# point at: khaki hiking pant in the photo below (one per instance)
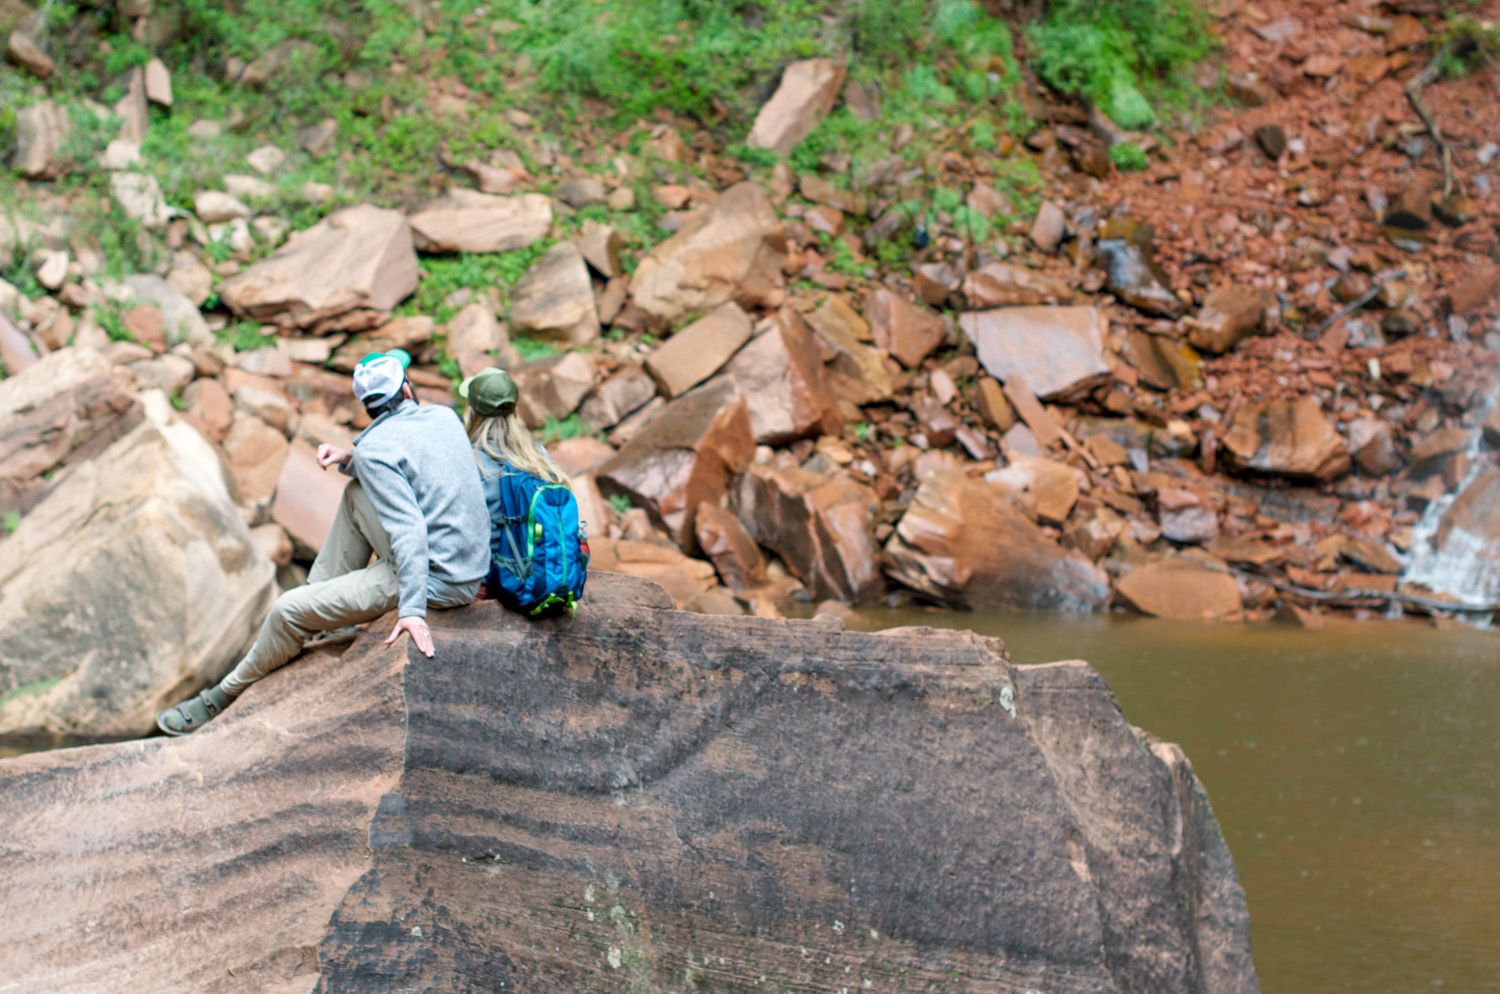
(343, 588)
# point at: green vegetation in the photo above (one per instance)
(1128, 157)
(620, 503)
(1117, 53)
(557, 429)
(10, 522)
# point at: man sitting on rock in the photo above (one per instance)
(416, 503)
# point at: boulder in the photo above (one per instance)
(686, 455)
(1131, 275)
(552, 388)
(183, 322)
(208, 407)
(683, 578)
(555, 299)
(724, 540)
(1373, 446)
(858, 373)
(132, 109)
(255, 452)
(307, 498)
(213, 206)
(140, 198)
(1162, 362)
(807, 93)
(1046, 488)
(934, 552)
(158, 83)
(475, 338)
(1288, 438)
(580, 192)
(347, 272)
(698, 351)
(780, 374)
(601, 246)
(131, 579)
(1057, 349)
(908, 332)
(642, 798)
(1002, 285)
(41, 131)
(21, 50)
(1229, 315)
(1181, 590)
(623, 393)
(731, 250)
(580, 454)
(470, 221)
(821, 525)
(1050, 227)
(17, 351)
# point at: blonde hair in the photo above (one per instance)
(505, 438)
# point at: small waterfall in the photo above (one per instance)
(1466, 566)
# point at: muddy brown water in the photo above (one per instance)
(1355, 771)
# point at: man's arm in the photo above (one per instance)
(396, 505)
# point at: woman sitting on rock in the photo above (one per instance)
(538, 548)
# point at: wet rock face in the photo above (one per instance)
(961, 543)
(647, 798)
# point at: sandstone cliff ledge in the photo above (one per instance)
(648, 800)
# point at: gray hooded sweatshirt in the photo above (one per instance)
(418, 469)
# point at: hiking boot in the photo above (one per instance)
(193, 713)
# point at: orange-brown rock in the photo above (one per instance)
(208, 408)
(1002, 285)
(552, 388)
(307, 497)
(1057, 349)
(935, 551)
(804, 97)
(1288, 438)
(476, 339)
(363, 817)
(990, 400)
(1229, 315)
(622, 393)
(1046, 488)
(685, 456)
(698, 351)
(1474, 290)
(908, 332)
(781, 376)
(729, 546)
(1437, 444)
(469, 221)
(580, 454)
(348, 271)
(255, 452)
(821, 525)
(858, 373)
(730, 250)
(1181, 590)
(1373, 446)
(682, 577)
(1093, 533)
(555, 298)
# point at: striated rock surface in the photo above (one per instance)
(731, 250)
(644, 799)
(1287, 438)
(346, 272)
(131, 578)
(469, 221)
(1056, 349)
(961, 543)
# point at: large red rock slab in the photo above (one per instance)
(555, 298)
(552, 388)
(347, 272)
(640, 797)
(908, 332)
(621, 394)
(724, 540)
(1181, 590)
(307, 498)
(1057, 349)
(857, 372)
(731, 250)
(781, 376)
(1289, 438)
(962, 543)
(822, 526)
(806, 94)
(1229, 315)
(686, 455)
(699, 350)
(470, 221)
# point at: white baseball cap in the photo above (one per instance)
(378, 377)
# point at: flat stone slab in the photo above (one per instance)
(1056, 349)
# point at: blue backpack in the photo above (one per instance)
(539, 550)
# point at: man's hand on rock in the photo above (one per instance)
(421, 635)
(330, 455)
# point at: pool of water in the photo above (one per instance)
(1355, 771)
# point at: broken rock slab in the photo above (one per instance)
(1016, 566)
(731, 250)
(807, 93)
(908, 332)
(132, 581)
(347, 272)
(1056, 349)
(1181, 590)
(780, 374)
(469, 221)
(1229, 315)
(696, 352)
(1289, 438)
(552, 388)
(555, 299)
(822, 526)
(719, 733)
(686, 455)
(623, 393)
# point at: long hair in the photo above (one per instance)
(505, 438)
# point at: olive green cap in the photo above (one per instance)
(490, 391)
